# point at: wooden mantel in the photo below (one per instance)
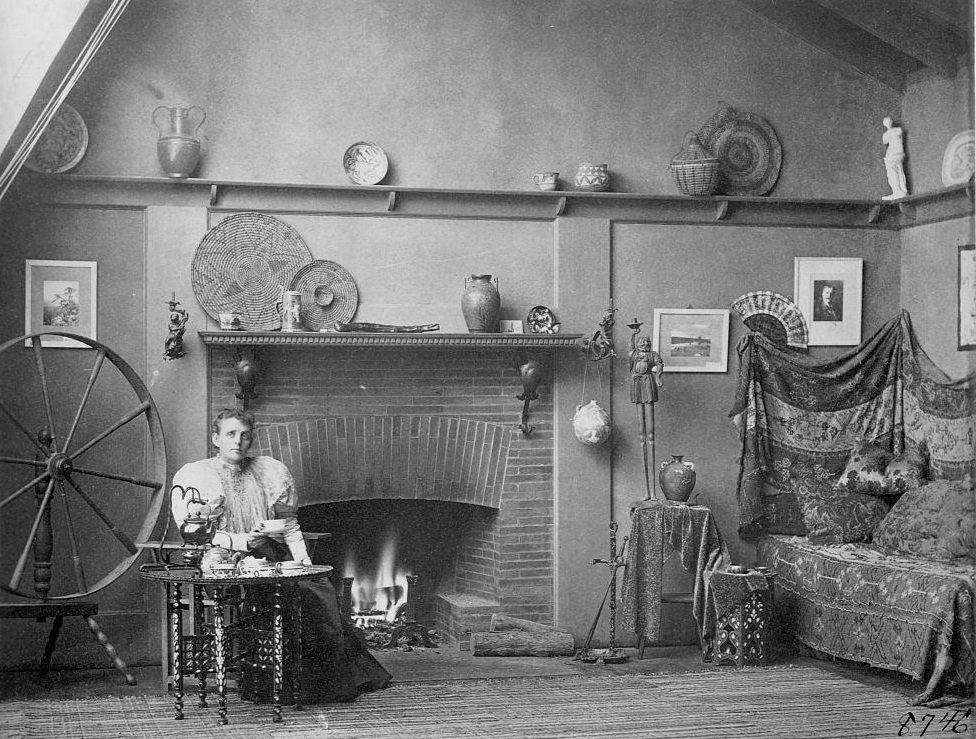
(417, 202)
(429, 340)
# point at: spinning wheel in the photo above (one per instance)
(89, 445)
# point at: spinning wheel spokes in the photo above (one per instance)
(100, 357)
(112, 429)
(125, 462)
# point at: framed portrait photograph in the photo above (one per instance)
(60, 296)
(692, 339)
(828, 294)
(967, 297)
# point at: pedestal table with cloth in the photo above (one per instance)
(689, 531)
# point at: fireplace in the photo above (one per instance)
(415, 452)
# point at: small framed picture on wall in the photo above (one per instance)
(692, 339)
(967, 297)
(60, 296)
(828, 294)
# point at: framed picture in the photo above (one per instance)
(967, 297)
(60, 296)
(692, 339)
(828, 294)
(510, 327)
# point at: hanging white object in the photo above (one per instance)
(591, 423)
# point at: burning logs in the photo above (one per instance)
(516, 637)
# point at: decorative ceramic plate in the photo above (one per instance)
(62, 145)
(243, 264)
(542, 321)
(748, 151)
(776, 317)
(365, 163)
(958, 162)
(329, 294)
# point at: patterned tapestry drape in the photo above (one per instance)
(799, 419)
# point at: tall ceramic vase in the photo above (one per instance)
(178, 148)
(677, 478)
(480, 304)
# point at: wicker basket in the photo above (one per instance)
(695, 171)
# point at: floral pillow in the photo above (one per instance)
(865, 470)
(836, 515)
(905, 472)
(935, 521)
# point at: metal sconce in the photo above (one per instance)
(246, 371)
(531, 370)
(178, 317)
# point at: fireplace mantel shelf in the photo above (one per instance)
(429, 340)
(421, 202)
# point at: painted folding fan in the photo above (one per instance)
(774, 316)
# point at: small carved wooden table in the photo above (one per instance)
(206, 647)
(743, 630)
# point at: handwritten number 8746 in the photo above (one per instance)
(952, 723)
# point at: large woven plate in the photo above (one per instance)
(62, 145)
(243, 264)
(748, 151)
(329, 294)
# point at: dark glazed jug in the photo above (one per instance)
(677, 478)
(480, 304)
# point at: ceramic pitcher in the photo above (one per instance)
(178, 148)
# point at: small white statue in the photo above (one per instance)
(893, 139)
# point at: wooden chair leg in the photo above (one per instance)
(103, 640)
(52, 639)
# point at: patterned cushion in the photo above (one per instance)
(935, 521)
(865, 470)
(835, 515)
(904, 472)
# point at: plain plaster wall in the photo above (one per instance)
(464, 93)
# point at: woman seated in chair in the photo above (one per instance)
(242, 492)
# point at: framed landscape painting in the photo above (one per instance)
(692, 339)
(828, 293)
(967, 297)
(60, 296)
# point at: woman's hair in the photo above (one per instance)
(243, 416)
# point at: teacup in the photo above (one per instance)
(230, 321)
(276, 526)
(546, 180)
(289, 567)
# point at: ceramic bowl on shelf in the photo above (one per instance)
(546, 180)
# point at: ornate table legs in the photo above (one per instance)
(219, 654)
(278, 658)
(175, 606)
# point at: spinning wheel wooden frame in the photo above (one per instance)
(56, 474)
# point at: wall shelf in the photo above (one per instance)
(430, 340)
(414, 202)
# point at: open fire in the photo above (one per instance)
(379, 603)
(380, 596)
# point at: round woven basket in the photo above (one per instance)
(694, 169)
(329, 294)
(696, 178)
(242, 265)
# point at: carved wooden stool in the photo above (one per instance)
(743, 634)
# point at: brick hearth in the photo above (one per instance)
(367, 424)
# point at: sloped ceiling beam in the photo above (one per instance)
(848, 43)
(92, 27)
(907, 27)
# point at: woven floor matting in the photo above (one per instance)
(753, 703)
